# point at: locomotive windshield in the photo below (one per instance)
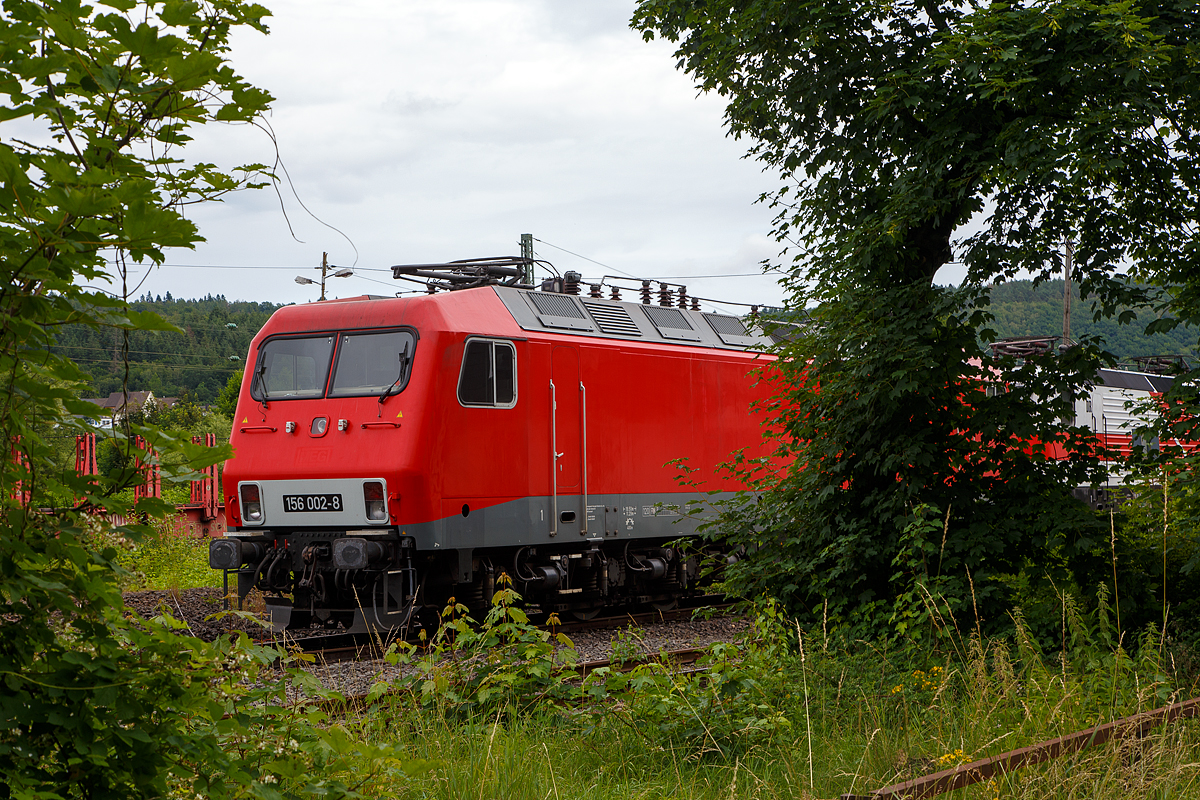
(292, 368)
(375, 363)
(371, 363)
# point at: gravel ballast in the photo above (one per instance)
(197, 606)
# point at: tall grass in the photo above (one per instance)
(759, 721)
(173, 562)
(163, 560)
(877, 713)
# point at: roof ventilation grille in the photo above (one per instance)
(728, 325)
(671, 323)
(556, 305)
(731, 330)
(668, 318)
(613, 319)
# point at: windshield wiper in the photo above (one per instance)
(259, 379)
(403, 355)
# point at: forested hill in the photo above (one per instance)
(216, 336)
(196, 363)
(1022, 310)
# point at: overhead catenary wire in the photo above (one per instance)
(659, 278)
(585, 258)
(383, 269)
(704, 277)
(672, 278)
(258, 266)
(172, 365)
(117, 349)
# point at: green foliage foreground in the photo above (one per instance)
(498, 710)
(93, 704)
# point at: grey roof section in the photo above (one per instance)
(732, 330)
(615, 319)
(1141, 381)
(671, 323)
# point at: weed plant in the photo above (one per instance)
(505, 666)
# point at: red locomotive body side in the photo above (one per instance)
(648, 403)
(574, 470)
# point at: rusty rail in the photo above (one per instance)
(678, 658)
(966, 774)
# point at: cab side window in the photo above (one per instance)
(489, 374)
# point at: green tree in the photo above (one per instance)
(104, 96)
(895, 125)
(227, 399)
(213, 337)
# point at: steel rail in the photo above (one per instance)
(967, 774)
(642, 617)
(676, 658)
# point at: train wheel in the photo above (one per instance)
(584, 614)
(665, 605)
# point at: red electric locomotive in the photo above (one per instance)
(391, 453)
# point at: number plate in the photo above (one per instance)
(312, 502)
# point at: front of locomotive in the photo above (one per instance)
(322, 468)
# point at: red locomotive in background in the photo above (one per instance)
(391, 453)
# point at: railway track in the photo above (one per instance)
(361, 646)
(680, 660)
(332, 654)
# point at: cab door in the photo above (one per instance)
(566, 394)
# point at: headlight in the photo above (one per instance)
(251, 503)
(376, 504)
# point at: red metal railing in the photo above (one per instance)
(203, 515)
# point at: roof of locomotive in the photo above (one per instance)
(475, 310)
(1126, 379)
(553, 312)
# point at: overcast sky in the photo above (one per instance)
(437, 131)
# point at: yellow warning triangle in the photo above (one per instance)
(246, 419)
(401, 414)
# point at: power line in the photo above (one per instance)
(672, 278)
(698, 277)
(248, 266)
(171, 365)
(585, 258)
(542, 241)
(116, 350)
(372, 280)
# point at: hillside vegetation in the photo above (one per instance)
(217, 332)
(195, 364)
(1021, 309)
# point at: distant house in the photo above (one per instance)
(118, 404)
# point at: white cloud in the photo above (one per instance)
(441, 131)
